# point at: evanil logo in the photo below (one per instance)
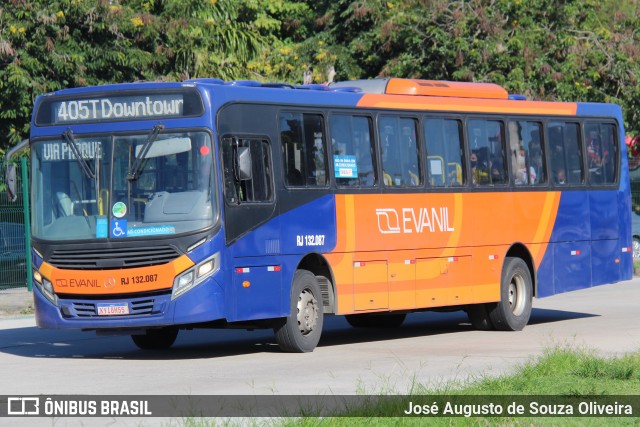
(413, 220)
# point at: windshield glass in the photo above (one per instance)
(124, 186)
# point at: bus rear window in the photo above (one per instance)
(600, 142)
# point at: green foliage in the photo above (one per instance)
(568, 51)
(574, 50)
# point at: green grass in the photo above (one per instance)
(28, 310)
(564, 371)
(560, 371)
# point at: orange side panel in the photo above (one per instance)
(93, 282)
(432, 250)
(467, 105)
(402, 281)
(443, 281)
(370, 289)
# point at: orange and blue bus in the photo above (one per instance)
(160, 207)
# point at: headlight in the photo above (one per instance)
(44, 285)
(195, 275)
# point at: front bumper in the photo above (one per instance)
(203, 303)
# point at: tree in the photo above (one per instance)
(50, 45)
(571, 50)
(46, 46)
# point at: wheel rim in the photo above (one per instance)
(517, 291)
(307, 312)
(636, 249)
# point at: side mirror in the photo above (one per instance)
(12, 185)
(243, 159)
(10, 172)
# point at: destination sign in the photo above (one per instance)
(119, 107)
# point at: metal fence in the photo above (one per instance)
(14, 245)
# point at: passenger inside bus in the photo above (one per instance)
(479, 166)
(497, 168)
(560, 177)
(413, 174)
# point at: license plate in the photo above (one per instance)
(113, 309)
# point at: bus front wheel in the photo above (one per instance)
(514, 309)
(300, 331)
(156, 339)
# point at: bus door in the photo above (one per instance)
(602, 161)
(571, 237)
(252, 228)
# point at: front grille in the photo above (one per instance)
(146, 305)
(109, 259)
(142, 307)
(84, 309)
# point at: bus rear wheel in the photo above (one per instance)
(513, 311)
(300, 331)
(370, 320)
(156, 339)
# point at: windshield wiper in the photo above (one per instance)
(137, 163)
(68, 136)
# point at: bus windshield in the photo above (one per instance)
(115, 186)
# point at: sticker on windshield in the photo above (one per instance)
(118, 228)
(119, 210)
(153, 230)
(102, 229)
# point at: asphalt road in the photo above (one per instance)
(430, 349)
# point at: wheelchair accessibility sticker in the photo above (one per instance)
(118, 228)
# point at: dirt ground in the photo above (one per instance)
(16, 302)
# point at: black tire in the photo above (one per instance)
(514, 309)
(479, 316)
(636, 248)
(300, 331)
(370, 320)
(156, 339)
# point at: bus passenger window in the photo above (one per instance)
(527, 160)
(351, 142)
(486, 140)
(602, 149)
(303, 147)
(445, 162)
(565, 153)
(258, 188)
(399, 151)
